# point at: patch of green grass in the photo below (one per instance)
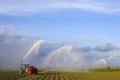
(105, 69)
(10, 75)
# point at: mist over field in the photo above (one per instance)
(54, 54)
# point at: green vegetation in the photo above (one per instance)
(10, 75)
(105, 69)
(94, 74)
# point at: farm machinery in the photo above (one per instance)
(26, 68)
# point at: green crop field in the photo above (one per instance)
(95, 74)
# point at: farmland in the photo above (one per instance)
(97, 74)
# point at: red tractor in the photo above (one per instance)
(25, 68)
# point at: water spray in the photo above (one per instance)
(33, 47)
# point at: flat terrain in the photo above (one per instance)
(97, 74)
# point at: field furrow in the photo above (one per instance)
(30, 77)
(52, 76)
(45, 75)
(64, 77)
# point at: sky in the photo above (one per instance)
(63, 19)
(91, 27)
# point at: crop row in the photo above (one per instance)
(10, 75)
(81, 76)
(62, 76)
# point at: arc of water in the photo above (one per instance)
(34, 46)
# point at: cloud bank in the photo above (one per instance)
(14, 47)
(21, 7)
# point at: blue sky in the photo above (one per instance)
(68, 20)
(67, 26)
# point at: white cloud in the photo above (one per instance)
(105, 47)
(15, 46)
(117, 45)
(21, 7)
(7, 29)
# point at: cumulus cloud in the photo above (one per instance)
(16, 7)
(14, 47)
(117, 46)
(7, 29)
(105, 47)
